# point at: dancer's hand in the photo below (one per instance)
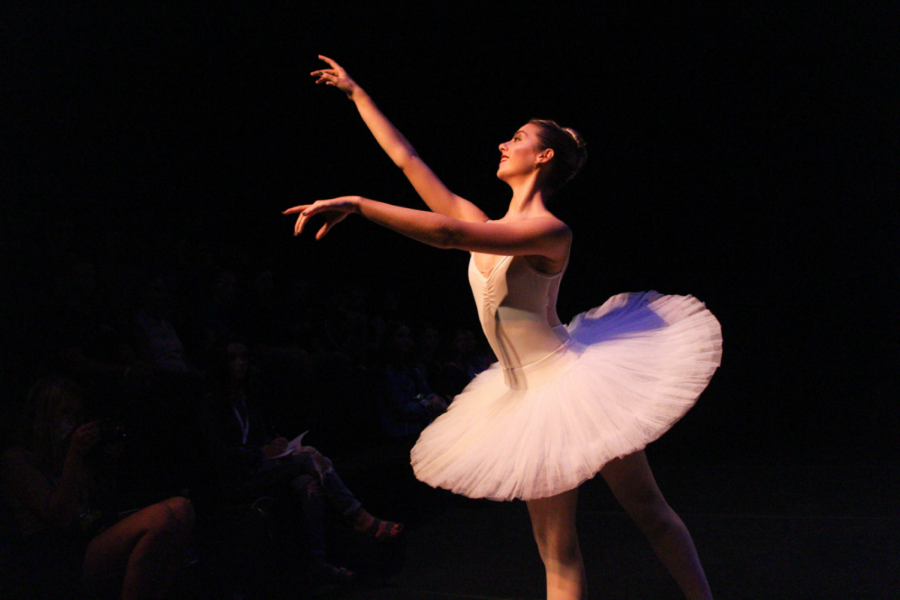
(334, 211)
(335, 76)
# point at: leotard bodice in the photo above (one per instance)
(517, 309)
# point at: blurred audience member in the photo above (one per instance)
(165, 425)
(428, 343)
(465, 363)
(387, 314)
(155, 337)
(90, 344)
(219, 319)
(269, 334)
(49, 486)
(347, 327)
(249, 461)
(92, 347)
(407, 403)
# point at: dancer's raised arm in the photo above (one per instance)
(431, 189)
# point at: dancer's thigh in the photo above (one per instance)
(554, 515)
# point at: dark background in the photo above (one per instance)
(740, 153)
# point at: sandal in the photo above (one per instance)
(383, 530)
(375, 528)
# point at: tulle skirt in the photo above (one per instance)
(632, 368)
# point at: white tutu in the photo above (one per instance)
(633, 367)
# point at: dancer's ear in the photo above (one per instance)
(545, 155)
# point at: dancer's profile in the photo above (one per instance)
(564, 402)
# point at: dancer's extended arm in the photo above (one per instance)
(431, 189)
(542, 236)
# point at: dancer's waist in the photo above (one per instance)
(544, 370)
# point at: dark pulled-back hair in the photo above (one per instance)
(569, 152)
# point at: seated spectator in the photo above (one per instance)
(388, 312)
(250, 461)
(219, 320)
(165, 422)
(48, 485)
(92, 348)
(346, 327)
(465, 363)
(156, 339)
(269, 334)
(303, 322)
(407, 403)
(428, 343)
(283, 365)
(96, 351)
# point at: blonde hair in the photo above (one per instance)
(36, 428)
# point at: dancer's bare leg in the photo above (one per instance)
(633, 485)
(553, 523)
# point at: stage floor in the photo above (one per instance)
(763, 532)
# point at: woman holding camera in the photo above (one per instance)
(49, 487)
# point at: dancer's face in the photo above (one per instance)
(522, 154)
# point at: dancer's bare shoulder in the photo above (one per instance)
(557, 239)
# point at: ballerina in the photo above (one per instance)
(563, 403)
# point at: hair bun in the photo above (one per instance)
(575, 135)
(569, 151)
(580, 144)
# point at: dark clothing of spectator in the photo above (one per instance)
(404, 403)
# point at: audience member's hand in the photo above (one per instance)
(274, 448)
(84, 438)
(436, 404)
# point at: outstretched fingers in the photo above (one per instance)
(327, 76)
(324, 76)
(335, 76)
(330, 61)
(301, 220)
(296, 209)
(298, 226)
(334, 211)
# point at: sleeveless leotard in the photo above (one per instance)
(564, 400)
(517, 309)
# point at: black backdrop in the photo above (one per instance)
(740, 153)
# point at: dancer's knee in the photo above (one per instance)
(655, 518)
(556, 546)
(554, 528)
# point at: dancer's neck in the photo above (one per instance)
(527, 201)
